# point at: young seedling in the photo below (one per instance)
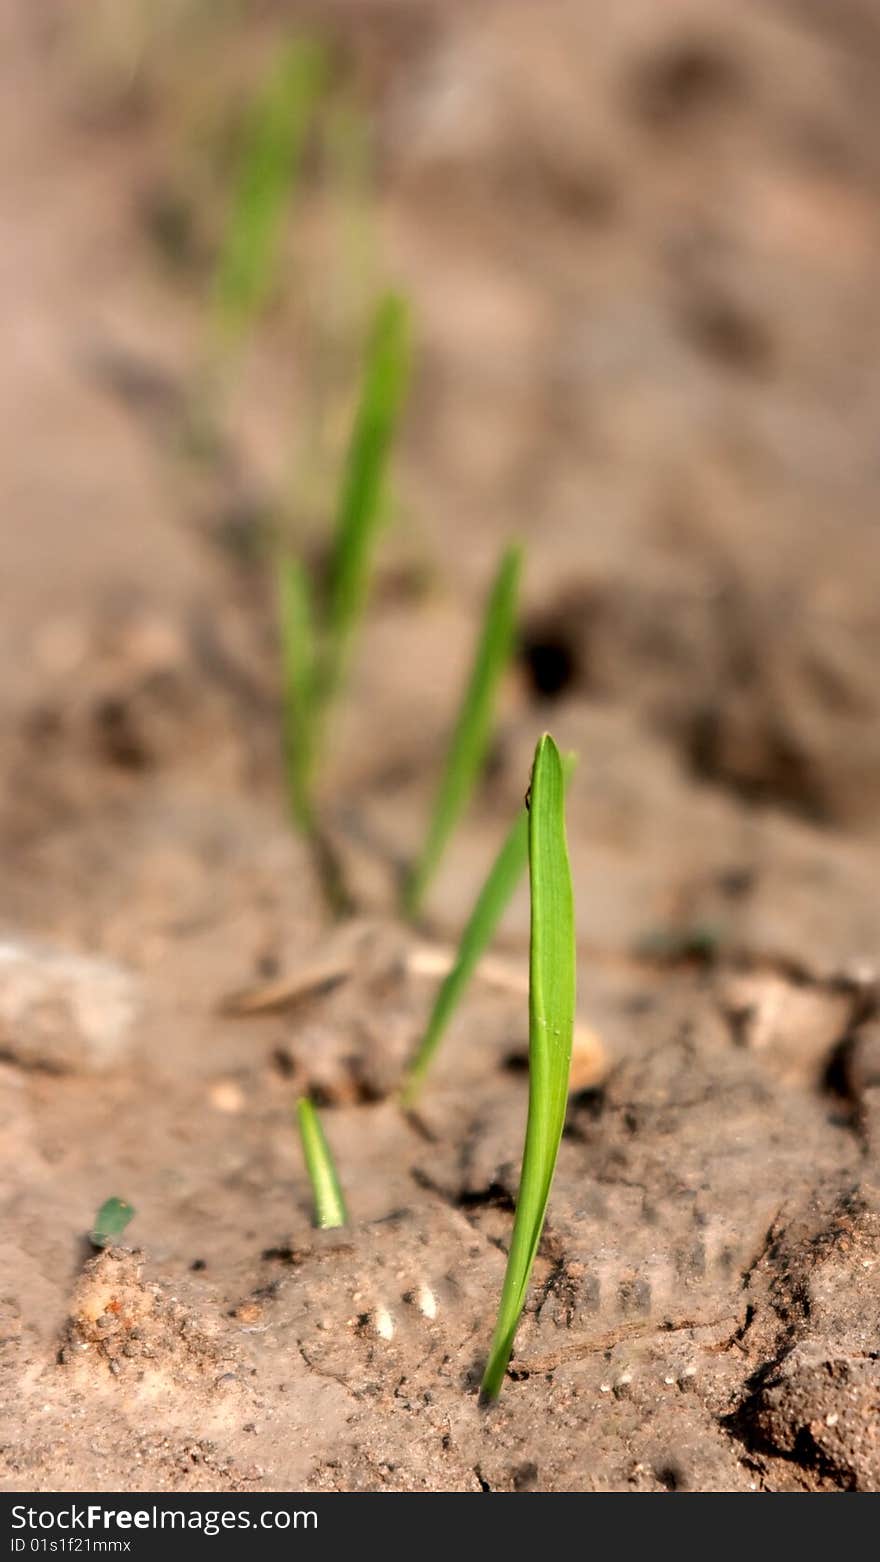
(473, 730)
(330, 1208)
(110, 1222)
(492, 902)
(361, 509)
(270, 163)
(314, 657)
(551, 1025)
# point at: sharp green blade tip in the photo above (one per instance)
(473, 729)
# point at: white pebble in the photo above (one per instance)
(384, 1323)
(226, 1096)
(427, 1301)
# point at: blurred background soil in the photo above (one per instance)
(641, 244)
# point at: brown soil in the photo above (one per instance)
(642, 245)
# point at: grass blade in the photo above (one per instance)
(330, 1208)
(473, 730)
(491, 903)
(361, 510)
(110, 1222)
(298, 686)
(270, 161)
(551, 1026)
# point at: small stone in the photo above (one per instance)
(427, 1301)
(226, 1096)
(62, 1011)
(384, 1324)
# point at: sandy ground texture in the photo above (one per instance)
(642, 247)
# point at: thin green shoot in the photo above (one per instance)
(314, 655)
(551, 1027)
(473, 730)
(330, 1208)
(491, 903)
(110, 1222)
(270, 164)
(298, 687)
(361, 510)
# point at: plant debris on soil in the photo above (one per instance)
(642, 258)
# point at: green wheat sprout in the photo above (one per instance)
(330, 1208)
(490, 906)
(551, 1026)
(361, 509)
(315, 644)
(473, 730)
(268, 173)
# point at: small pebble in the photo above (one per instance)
(226, 1096)
(427, 1301)
(65, 1011)
(383, 1323)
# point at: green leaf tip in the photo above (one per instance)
(330, 1210)
(110, 1221)
(473, 729)
(360, 509)
(489, 908)
(316, 635)
(551, 1028)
